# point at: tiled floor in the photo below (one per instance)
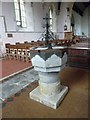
(8, 67)
(16, 83)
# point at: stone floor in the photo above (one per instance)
(16, 83)
(75, 104)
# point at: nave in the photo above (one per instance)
(44, 59)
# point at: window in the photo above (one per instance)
(20, 13)
(51, 20)
(53, 16)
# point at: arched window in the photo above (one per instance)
(20, 13)
(51, 16)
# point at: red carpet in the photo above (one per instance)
(8, 67)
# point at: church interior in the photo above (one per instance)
(44, 59)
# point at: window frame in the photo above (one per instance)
(20, 13)
(51, 16)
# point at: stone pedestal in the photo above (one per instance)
(48, 63)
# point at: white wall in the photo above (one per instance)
(19, 36)
(38, 16)
(85, 22)
(0, 20)
(77, 19)
(82, 23)
(29, 17)
(2, 32)
(2, 35)
(89, 21)
(8, 12)
(62, 17)
(0, 8)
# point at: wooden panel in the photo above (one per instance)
(67, 35)
(79, 58)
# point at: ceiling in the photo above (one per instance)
(80, 7)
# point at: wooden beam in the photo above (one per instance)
(77, 9)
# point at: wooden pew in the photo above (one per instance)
(11, 51)
(21, 51)
(7, 50)
(24, 51)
